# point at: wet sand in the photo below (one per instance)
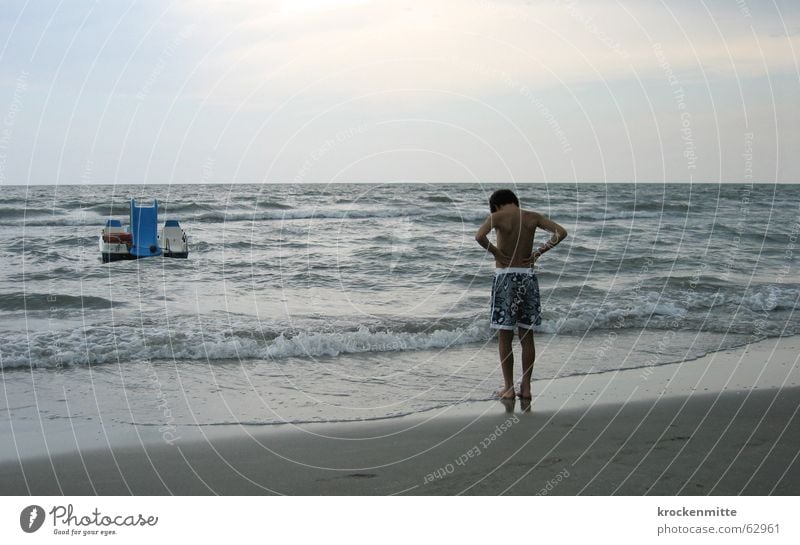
(724, 424)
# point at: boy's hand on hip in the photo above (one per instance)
(501, 259)
(529, 261)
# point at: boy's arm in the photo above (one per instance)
(482, 238)
(559, 234)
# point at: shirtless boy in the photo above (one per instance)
(515, 291)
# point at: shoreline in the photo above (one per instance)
(723, 444)
(715, 425)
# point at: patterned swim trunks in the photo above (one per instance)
(515, 299)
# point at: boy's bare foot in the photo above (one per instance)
(506, 393)
(525, 393)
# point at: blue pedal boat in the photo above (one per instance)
(142, 238)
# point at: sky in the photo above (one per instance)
(506, 91)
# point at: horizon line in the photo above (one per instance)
(409, 182)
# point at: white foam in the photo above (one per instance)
(104, 345)
(768, 298)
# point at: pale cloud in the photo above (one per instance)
(438, 90)
(353, 48)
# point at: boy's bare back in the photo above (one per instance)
(515, 229)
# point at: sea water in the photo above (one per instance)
(315, 302)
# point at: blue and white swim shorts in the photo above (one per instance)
(515, 299)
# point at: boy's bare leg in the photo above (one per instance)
(505, 338)
(528, 356)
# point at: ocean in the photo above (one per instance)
(318, 303)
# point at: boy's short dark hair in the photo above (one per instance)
(501, 197)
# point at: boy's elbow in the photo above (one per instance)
(563, 234)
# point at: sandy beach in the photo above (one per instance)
(724, 424)
(309, 249)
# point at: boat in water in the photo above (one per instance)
(142, 237)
